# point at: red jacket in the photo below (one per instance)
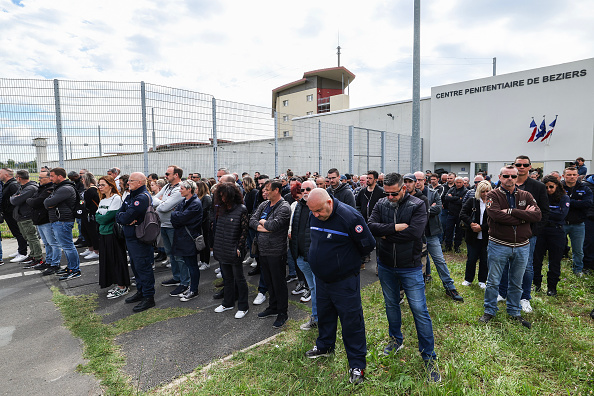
(511, 227)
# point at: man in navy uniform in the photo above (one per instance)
(339, 238)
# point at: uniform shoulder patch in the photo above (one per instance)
(136, 203)
(489, 202)
(567, 204)
(358, 228)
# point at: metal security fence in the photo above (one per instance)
(136, 126)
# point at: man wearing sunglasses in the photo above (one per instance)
(398, 221)
(510, 212)
(539, 193)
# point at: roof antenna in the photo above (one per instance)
(338, 48)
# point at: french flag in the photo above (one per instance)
(542, 130)
(533, 127)
(552, 125)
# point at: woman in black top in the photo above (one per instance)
(552, 237)
(203, 193)
(89, 225)
(251, 192)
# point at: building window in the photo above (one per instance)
(309, 112)
(310, 98)
(285, 133)
(285, 118)
(285, 103)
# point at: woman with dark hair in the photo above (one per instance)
(113, 265)
(124, 187)
(186, 220)
(203, 193)
(251, 193)
(552, 236)
(231, 230)
(89, 226)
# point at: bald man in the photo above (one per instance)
(339, 238)
(131, 214)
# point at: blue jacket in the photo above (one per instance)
(400, 249)
(186, 214)
(133, 208)
(558, 211)
(580, 200)
(338, 243)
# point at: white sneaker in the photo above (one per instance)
(92, 256)
(217, 270)
(466, 283)
(219, 275)
(525, 304)
(18, 258)
(499, 298)
(260, 298)
(247, 261)
(13, 255)
(254, 264)
(86, 252)
(222, 308)
(240, 314)
(482, 285)
(204, 266)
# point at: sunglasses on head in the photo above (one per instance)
(508, 176)
(522, 165)
(306, 189)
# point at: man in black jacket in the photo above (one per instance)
(367, 198)
(61, 207)
(398, 221)
(539, 193)
(22, 214)
(9, 188)
(338, 190)
(40, 218)
(454, 198)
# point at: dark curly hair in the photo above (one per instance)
(559, 191)
(227, 195)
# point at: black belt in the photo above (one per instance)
(344, 277)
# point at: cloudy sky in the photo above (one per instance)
(241, 50)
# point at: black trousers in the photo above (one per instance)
(274, 272)
(234, 282)
(553, 240)
(477, 251)
(16, 232)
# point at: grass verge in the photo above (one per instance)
(104, 358)
(555, 357)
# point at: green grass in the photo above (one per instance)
(555, 357)
(100, 350)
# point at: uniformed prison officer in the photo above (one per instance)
(339, 238)
(130, 215)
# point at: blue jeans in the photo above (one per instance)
(577, 233)
(498, 256)
(414, 287)
(141, 260)
(528, 275)
(434, 250)
(191, 263)
(53, 253)
(63, 233)
(179, 269)
(311, 282)
(291, 263)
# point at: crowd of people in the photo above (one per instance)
(315, 230)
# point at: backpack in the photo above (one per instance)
(149, 230)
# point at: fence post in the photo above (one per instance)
(351, 148)
(398, 165)
(59, 123)
(99, 133)
(214, 137)
(383, 161)
(153, 126)
(144, 130)
(276, 143)
(368, 150)
(320, 147)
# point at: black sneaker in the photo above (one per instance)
(267, 313)
(522, 321)
(170, 282)
(316, 353)
(592, 314)
(392, 347)
(219, 295)
(27, 260)
(486, 318)
(432, 371)
(291, 278)
(1, 262)
(179, 291)
(254, 271)
(300, 289)
(134, 298)
(62, 271)
(280, 321)
(453, 293)
(50, 271)
(356, 376)
(552, 293)
(70, 275)
(31, 264)
(41, 265)
(306, 297)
